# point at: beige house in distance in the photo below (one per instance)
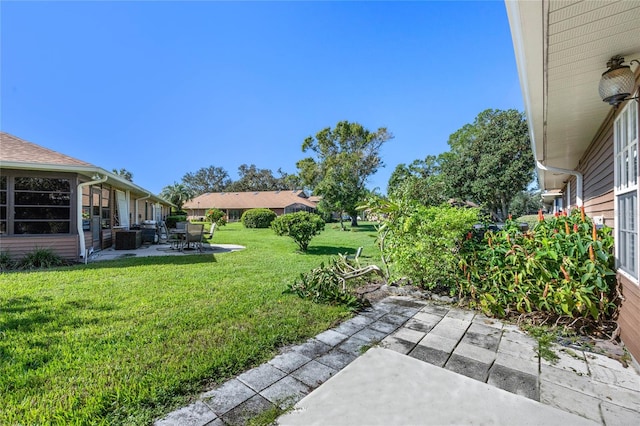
(236, 203)
(50, 200)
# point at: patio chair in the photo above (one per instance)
(194, 236)
(212, 230)
(175, 240)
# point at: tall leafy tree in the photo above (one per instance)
(124, 173)
(254, 179)
(525, 202)
(177, 193)
(290, 181)
(420, 181)
(490, 161)
(343, 158)
(207, 179)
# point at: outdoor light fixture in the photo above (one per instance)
(618, 82)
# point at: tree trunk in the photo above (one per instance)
(505, 208)
(354, 220)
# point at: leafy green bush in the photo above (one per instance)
(171, 221)
(421, 242)
(6, 262)
(40, 258)
(258, 218)
(216, 216)
(564, 266)
(301, 226)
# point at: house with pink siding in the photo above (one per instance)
(51, 200)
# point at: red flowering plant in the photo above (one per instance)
(564, 266)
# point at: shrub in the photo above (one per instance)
(216, 216)
(40, 258)
(421, 242)
(258, 218)
(564, 266)
(6, 263)
(171, 221)
(301, 226)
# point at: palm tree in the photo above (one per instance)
(177, 193)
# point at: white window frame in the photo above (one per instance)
(626, 132)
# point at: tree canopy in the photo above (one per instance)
(207, 179)
(126, 174)
(177, 193)
(421, 181)
(490, 161)
(343, 158)
(254, 179)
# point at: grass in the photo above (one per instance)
(545, 337)
(126, 341)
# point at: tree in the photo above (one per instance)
(126, 174)
(254, 179)
(490, 160)
(344, 158)
(177, 193)
(207, 179)
(301, 226)
(289, 181)
(525, 202)
(420, 181)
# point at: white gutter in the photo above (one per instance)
(83, 247)
(578, 176)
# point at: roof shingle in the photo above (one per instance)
(18, 150)
(250, 200)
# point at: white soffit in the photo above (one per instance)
(561, 62)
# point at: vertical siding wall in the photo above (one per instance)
(596, 167)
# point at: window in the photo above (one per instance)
(41, 205)
(3, 204)
(625, 140)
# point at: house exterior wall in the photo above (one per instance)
(102, 219)
(17, 245)
(64, 245)
(597, 168)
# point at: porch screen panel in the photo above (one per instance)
(42, 205)
(3, 204)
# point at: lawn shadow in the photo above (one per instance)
(191, 259)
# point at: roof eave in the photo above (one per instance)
(88, 171)
(526, 20)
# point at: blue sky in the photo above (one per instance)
(166, 88)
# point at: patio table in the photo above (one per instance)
(180, 236)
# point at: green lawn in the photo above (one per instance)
(127, 341)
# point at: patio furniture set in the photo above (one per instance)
(186, 236)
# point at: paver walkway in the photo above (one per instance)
(465, 342)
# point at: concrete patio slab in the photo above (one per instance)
(387, 383)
